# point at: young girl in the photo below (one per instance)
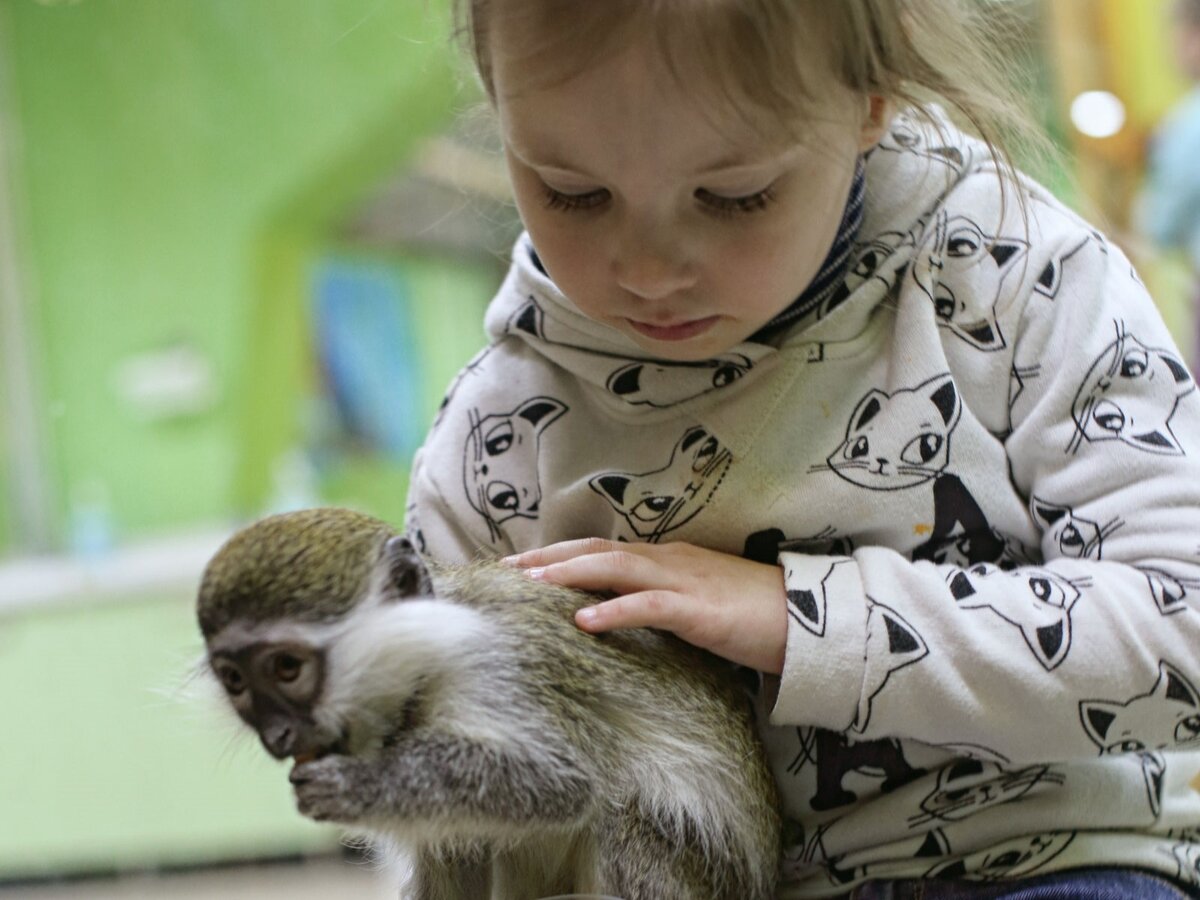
(798, 371)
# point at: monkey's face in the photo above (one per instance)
(275, 687)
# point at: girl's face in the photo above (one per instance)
(656, 217)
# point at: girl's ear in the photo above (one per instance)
(876, 122)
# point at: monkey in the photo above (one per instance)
(457, 714)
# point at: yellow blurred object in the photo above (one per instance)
(1123, 48)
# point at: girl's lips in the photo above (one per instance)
(678, 332)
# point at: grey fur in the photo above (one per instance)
(509, 752)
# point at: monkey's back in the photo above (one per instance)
(667, 727)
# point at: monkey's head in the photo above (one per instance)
(269, 607)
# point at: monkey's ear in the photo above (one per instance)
(407, 575)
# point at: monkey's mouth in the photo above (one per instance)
(314, 753)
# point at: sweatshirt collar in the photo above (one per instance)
(833, 269)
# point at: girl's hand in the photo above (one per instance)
(727, 605)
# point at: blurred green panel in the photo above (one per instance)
(6, 500)
(6, 534)
(115, 764)
(162, 143)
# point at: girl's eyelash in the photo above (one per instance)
(730, 206)
(723, 206)
(570, 202)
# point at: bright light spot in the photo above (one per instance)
(1098, 114)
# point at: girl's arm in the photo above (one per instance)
(1094, 649)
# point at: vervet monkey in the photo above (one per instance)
(459, 713)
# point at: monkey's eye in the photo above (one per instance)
(231, 677)
(287, 667)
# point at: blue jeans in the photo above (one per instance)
(1080, 884)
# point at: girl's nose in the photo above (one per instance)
(652, 269)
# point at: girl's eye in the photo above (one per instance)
(571, 202)
(731, 206)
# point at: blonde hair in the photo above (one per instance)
(759, 54)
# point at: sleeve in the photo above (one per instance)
(434, 525)
(1091, 648)
(439, 518)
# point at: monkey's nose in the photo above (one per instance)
(279, 739)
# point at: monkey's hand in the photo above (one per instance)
(441, 777)
(730, 606)
(332, 789)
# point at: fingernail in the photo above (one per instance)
(510, 560)
(537, 574)
(587, 616)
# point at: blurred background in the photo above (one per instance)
(244, 246)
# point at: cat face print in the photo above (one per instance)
(1036, 601)
(963, 272)
(970, 786)
(1051, 279)
(500, 462)
(1130, 395)
(892, 644)
(930, 845)
(1165, 718)
(1018, 379)
(1009, 859)
(869, 258)
(1187, 859)
(1154, 770)
(964, 551)
(655, 503)
(899, 440)
(1170, 592)
(661, 384)
(908, 136)
(1073, 536)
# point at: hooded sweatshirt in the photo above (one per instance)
(977, 463)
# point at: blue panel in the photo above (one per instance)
(367, 346)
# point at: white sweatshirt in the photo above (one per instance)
(979, 467)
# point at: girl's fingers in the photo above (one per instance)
(560, 552)
(646, 609)
(618, 571)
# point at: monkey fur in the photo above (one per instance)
(458, 714)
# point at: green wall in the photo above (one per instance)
(113, 760)
(183, 164)
(163, 146)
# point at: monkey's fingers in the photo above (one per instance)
(326, 790)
